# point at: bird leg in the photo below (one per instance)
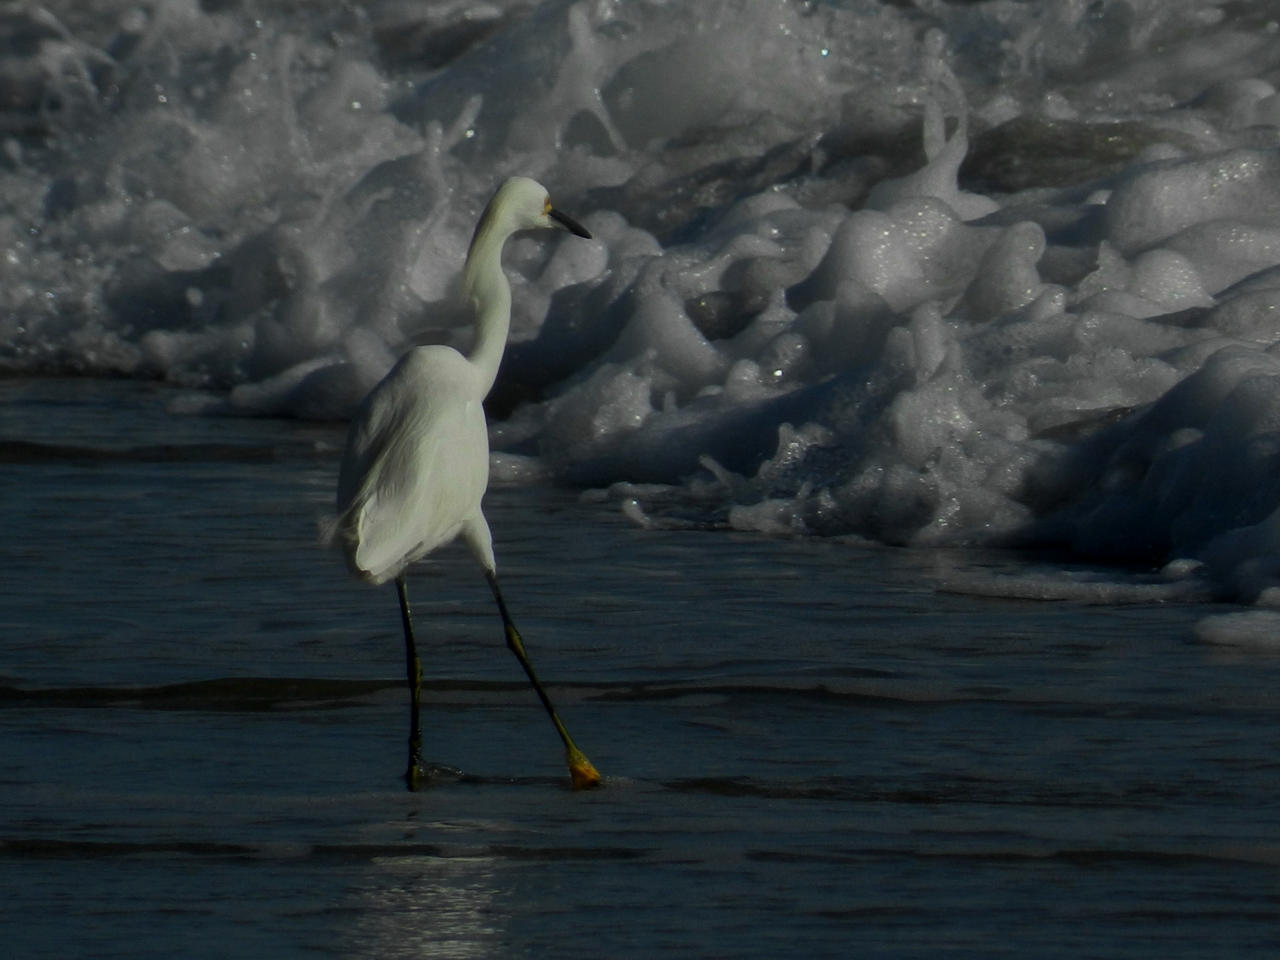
(415, 773)
(581, 772)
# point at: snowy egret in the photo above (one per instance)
(417, 458)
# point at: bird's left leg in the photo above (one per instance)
(415, 773)
(581, 772)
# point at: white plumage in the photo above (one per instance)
(417, 457)
(416, 466)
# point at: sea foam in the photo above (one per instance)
(1001, 275)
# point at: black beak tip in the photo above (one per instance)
(570, 224)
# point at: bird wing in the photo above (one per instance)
(416, 464)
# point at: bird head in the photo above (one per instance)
(519, 204)
(524, 204)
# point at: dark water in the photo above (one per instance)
(809, 751)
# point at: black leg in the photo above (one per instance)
(414, 774)
(581, 771)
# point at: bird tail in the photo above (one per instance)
(338, 532)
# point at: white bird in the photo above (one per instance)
(417, 457)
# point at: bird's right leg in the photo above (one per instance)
(581, 772)
(415, 773)
(476, 533)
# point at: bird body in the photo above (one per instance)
(416, 464)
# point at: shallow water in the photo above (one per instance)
(809, 749)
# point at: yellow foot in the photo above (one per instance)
(583, 774)
(415, 777)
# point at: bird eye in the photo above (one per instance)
(546, 206)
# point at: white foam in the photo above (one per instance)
(1072, 586)
(1249, 630)
(820, 301)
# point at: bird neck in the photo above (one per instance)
(489, 294)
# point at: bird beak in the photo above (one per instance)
(570, 224)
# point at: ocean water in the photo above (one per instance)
(888, 493)
(809, 748)
(938, 274)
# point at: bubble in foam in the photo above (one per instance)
(872, 250)
(1154, 203)
(614, 401)
(1257, 630)
(1007, 277)
(1168, 279)
(1226, 251)
(943, 154)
